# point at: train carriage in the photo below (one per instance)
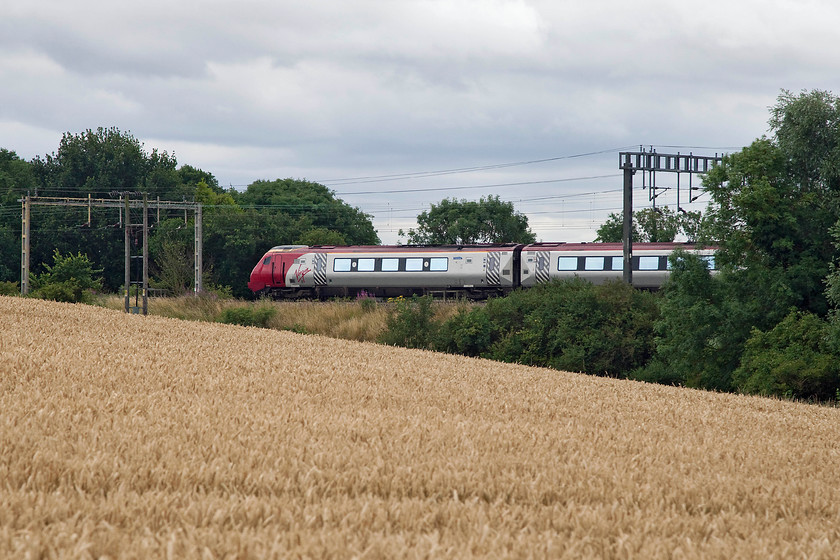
(475, 271)
(599, 262)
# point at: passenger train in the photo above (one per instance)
(473, 271)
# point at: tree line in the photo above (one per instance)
(766, 323)
(238, 226)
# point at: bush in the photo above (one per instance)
(252, 316)
(9, 289)
(411, 324)
(467, 333)
(70, 279)
(794, 359)
(570, 325)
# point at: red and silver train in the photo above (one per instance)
(474, 271)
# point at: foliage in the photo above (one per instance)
(699, 333)
(411, 323)
(9, 288)
(250, 316)
(304, 206)
(832, 281)
(103, 161)
(16, 179)
(71, 278)
(454, 222)
(794, 359)
(651, 225)
(774, 202)
(772, 206)
(571, 325)
(469, 333)
(320, 236)
(172, 250)
(212, 198)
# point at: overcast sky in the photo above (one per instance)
(377, 99)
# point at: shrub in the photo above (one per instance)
(9, 289)
(70, 279)
(411, 324)
(793, 359)
(571, 325)
(467, 333)
(252, 316)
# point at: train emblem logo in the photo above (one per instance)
(300, 273)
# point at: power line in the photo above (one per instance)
(416, 174)
(491, 186)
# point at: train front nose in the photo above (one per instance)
(260, 276)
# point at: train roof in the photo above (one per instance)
(584, 246)
(547, 246)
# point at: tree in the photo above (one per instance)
(794, 359)
(651, 225)
(71, 279)
(772, 205)
(16, 179)
(320, 236)
(305, 205)
(700, 334)
(98, 163)
(172, 250)
(105, 161)
(454, 222)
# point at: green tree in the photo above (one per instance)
(794, 359)
(71, 278)
(571, 325)
(16, 178)
(320, 236)
(172, 252)
(104, 161)
(305, 205)
(659, 224)
(454, 222)
(772, 205)
(98, 163)
(206, 195)
(700, 332)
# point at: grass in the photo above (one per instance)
(125, 436)
(361, 320)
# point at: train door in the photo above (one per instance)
(542, 266)
(457, 270)
(492, 271)
(319, 263)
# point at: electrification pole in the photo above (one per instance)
(652, 162)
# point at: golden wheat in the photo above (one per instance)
(134, 437)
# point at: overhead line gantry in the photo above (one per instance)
(653, 162)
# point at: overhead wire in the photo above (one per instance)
(436, 173)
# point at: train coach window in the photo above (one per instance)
(413, 265)
(341, 265)
(390, 265)
(593, 263)
(367, 265)
(439, 264)
(648, 263)
(617, 263)
(567, 263)
(710, 261)
(267, 260)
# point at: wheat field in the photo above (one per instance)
(125, 436)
